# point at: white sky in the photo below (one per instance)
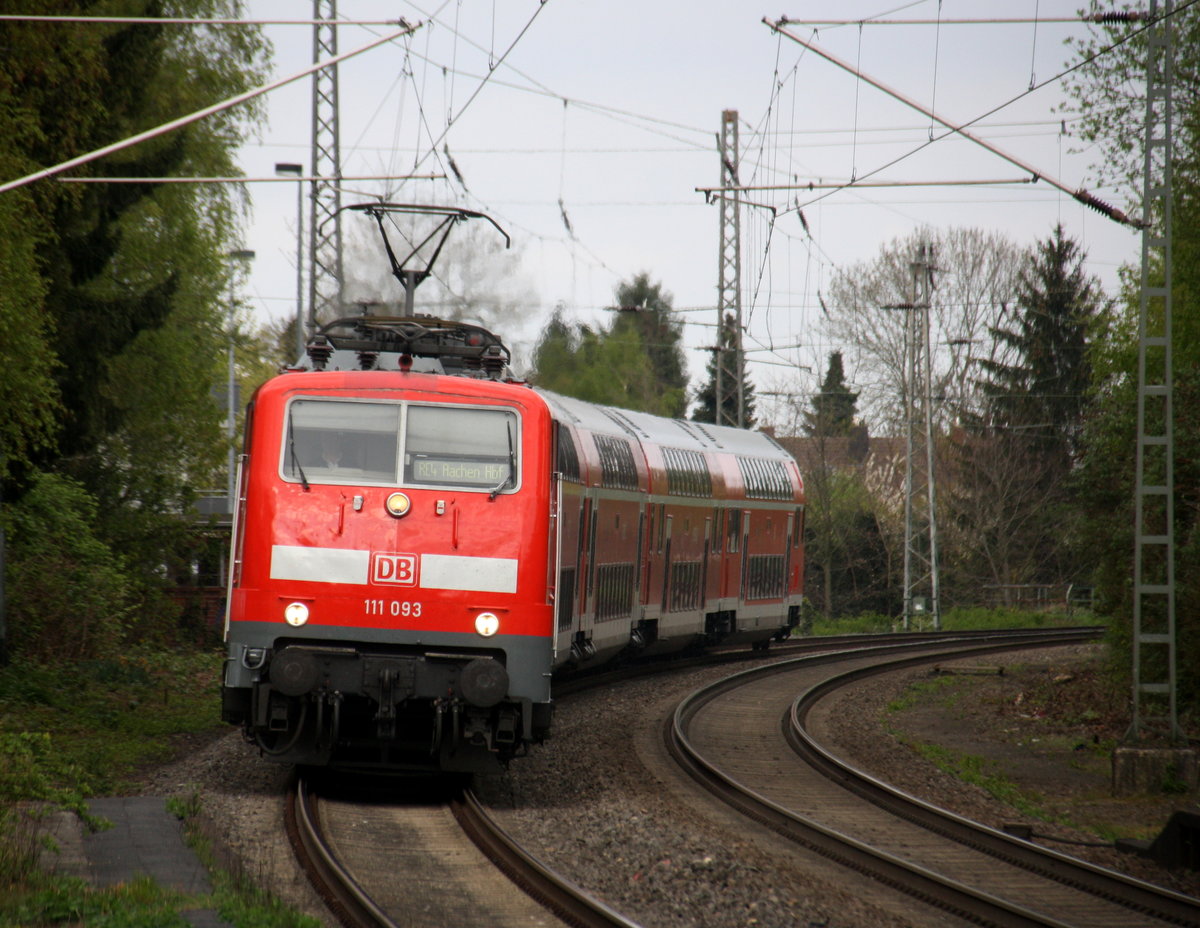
(645, 84)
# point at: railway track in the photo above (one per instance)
(734, 737)
(433, 859)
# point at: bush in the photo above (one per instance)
(69, 594)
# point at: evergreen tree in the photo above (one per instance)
(1043, 388)
(644, 305)
(706, 398)
(1009, 499)
(834, 407)
(637, 362)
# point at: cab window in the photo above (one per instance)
(333, 442)
(460, 447)
(396, 444)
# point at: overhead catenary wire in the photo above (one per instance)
(196, 116)
(1080, 194)
(1072, 68)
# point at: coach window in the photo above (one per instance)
(453, 446)
(337, 442)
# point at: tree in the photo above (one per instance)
(121, 312)
(974, 284)
(1109, 92)
(834, 407)
(1043, 386)
(1010, 464)
(706, 398)
(646, 307)
(615, 365)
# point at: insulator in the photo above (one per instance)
(1113, 18)
(319, 351)
(368, 359)
(493, 361)
(1105, 209)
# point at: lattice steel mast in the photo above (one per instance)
(729, 385)
(325, 218)
(1154, 645)
(920, 494)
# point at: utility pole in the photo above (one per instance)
(921, 580)
(729, 387)
(1154, 628)
(325, 216)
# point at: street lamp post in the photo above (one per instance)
(235, 257)
(287, 169)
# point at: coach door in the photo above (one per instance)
(732, 570)
(567, 543)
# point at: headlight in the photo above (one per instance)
(296, 614)
(398, 504)
(487, 624)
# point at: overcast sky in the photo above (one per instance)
(613, 108)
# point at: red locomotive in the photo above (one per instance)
(422, 541)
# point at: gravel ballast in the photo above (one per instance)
(589, 805)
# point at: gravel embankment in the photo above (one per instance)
(586, 804)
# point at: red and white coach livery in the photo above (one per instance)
(422, 541)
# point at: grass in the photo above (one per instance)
(973, 618)
(71, 732)
(946, 687)
(971, 768)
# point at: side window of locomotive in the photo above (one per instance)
(447, 446)
(337, 442)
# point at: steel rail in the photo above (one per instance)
(920, 882)
(1137, 895)
(537, 880)
(348, 902)
(352, 906)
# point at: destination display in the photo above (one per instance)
(458, 472)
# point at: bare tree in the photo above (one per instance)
(974, 275)
(1001, 503)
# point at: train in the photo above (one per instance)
(422, 542)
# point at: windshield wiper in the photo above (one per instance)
(292, 451)
(512, 465)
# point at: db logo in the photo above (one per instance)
(400, 569)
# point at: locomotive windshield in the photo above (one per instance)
(340, 442)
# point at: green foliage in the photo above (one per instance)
(1107, 93)
(108, 715)
(973, 769)
(1042, 386)
(137, 904)
(845, 556)
(616, 366)
(29, 395)
(70, 732)
(865, 623)
(68, 592)
(925, 689)
(645, 307)
(834, 407)
(956, 619)
(706, 398)
(113, 304)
